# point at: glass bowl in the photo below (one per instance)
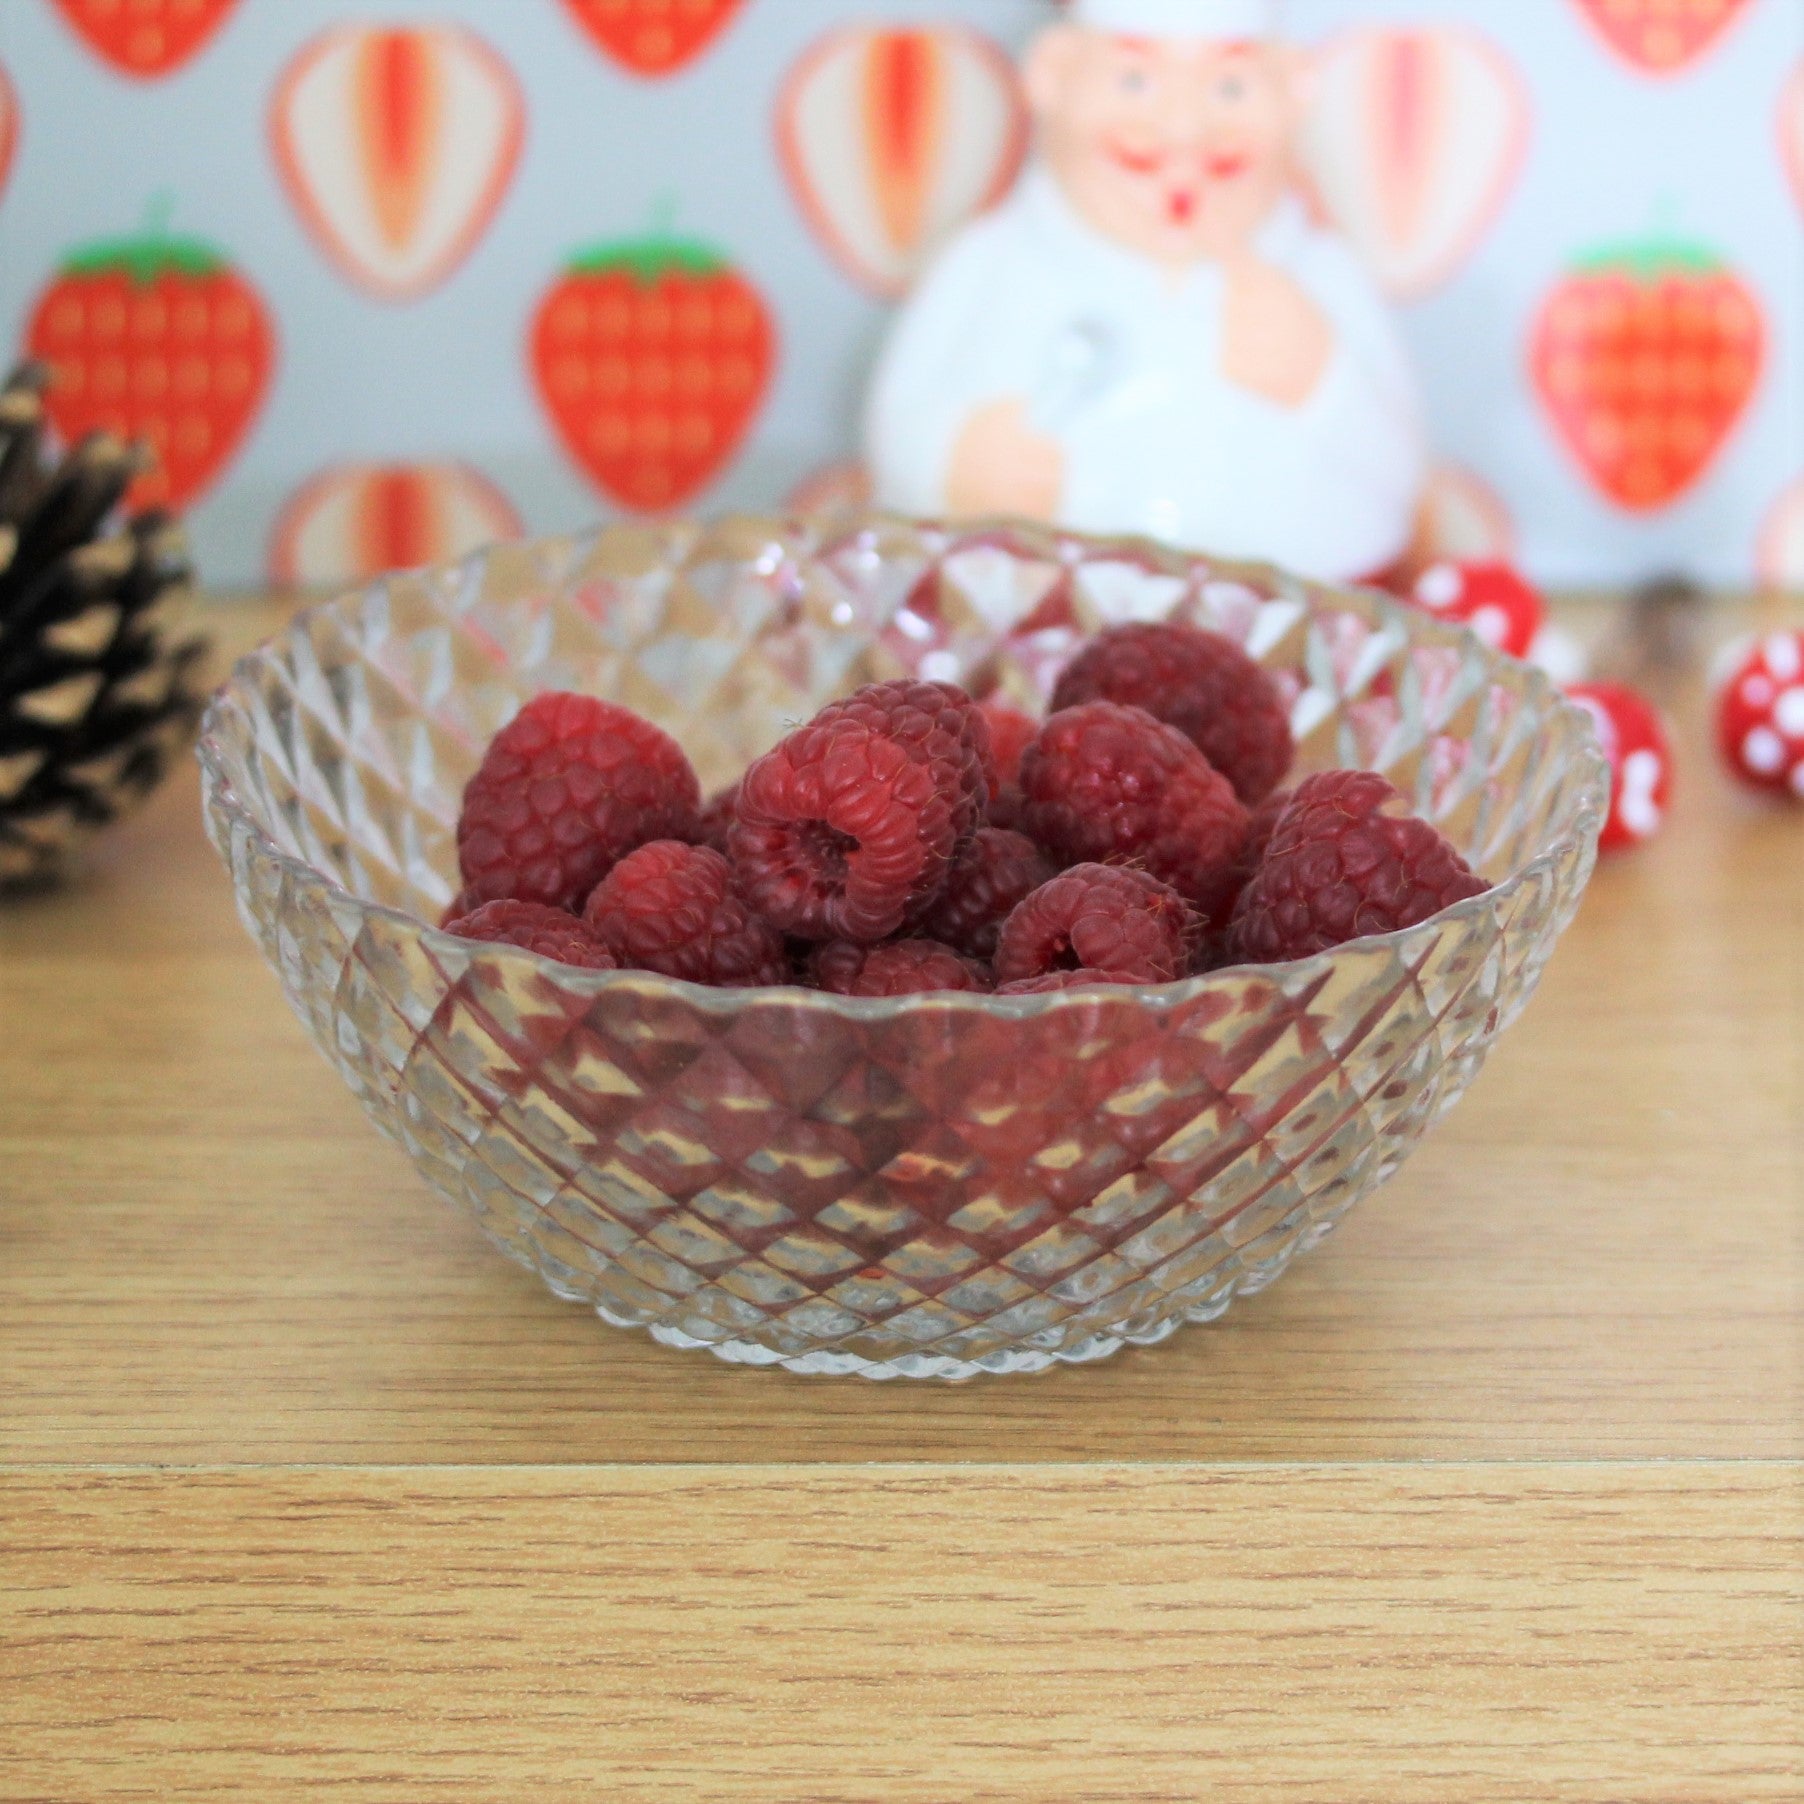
(925, 1187)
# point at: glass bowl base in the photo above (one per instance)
(937, 1367)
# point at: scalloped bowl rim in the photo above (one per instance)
(1585, 814)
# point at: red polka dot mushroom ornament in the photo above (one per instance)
(1635, 741)
(1504, 609)
(1497, 603)
(1760, 712)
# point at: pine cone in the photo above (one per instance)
(97, 693)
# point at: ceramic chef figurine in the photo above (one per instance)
(1151, 334)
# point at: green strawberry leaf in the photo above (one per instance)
(1650, 259)
(148, 253)
(655, 253)
(144, 259)
(647, 260)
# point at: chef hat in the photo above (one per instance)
(1179, 18)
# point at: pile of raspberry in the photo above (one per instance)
(910, 839)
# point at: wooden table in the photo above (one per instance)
(1496, 1496)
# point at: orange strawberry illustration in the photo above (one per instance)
(1646, 357)
(353, 521)
(1660, 37)
(397, 145)
(652, 357)
(145, 38)
(9, 127)
(160, 339)
(1791, 131)
(653, 37)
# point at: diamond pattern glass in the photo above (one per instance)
(921, 1187)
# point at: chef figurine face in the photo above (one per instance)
(1176, 148)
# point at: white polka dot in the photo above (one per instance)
(1788, 713)
(940, 667)
(1638, 805)
(1491, 625)
(1763, 751)
(1757, 691)
(1440, 587)
(1783, 656)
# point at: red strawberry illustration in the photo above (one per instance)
(653, 37)
(160, 339)
(146, 38)
(1646, 356)
(652, 357)
(1660, 37)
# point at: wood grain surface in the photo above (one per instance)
(1128, 1634)
(1495, 1495)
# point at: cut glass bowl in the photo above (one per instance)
(919, 1187)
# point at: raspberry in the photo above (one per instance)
(1260, 828)
(899, 968)
(570, 785)
(1218, 945)
(1011, 732)
(673, 908)
(715, 821)
(1099, 917)
(550, 932)
(1060, 980)
(989, 877)
(939, 722)
(1262, 825)
(1200, 683)
(1340, 866)
(1108, 784)
(854, 820)
(1008, 809)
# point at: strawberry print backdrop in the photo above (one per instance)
(381, 279)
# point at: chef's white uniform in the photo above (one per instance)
(1156, 439)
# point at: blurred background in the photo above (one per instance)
(354, 213)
